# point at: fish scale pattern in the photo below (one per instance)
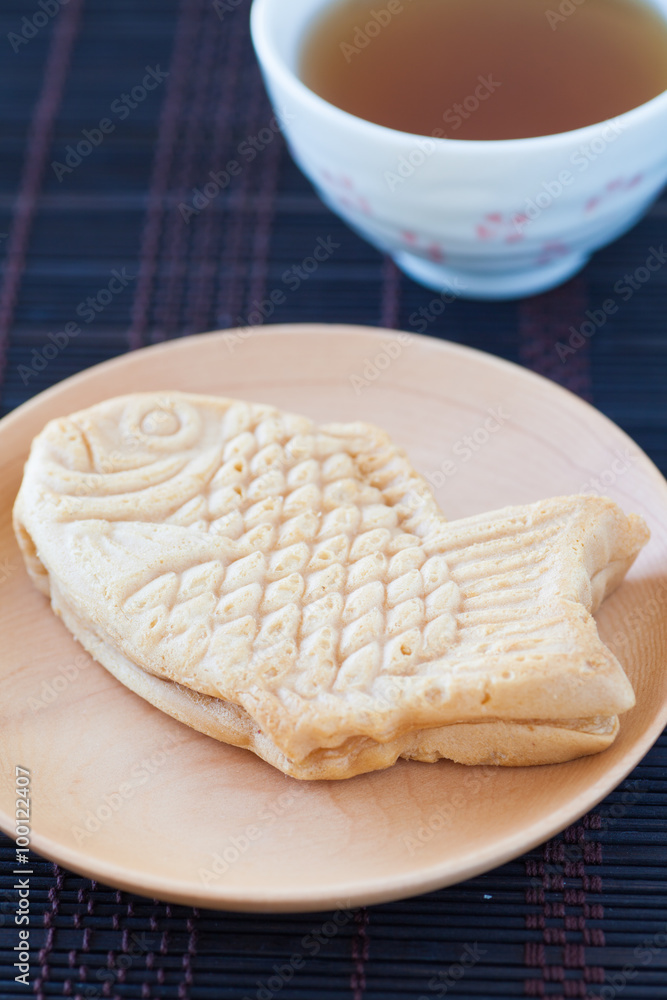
(333, 580)
(306, 574)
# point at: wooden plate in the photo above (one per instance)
(126, 795)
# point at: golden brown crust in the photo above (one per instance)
(304, 578)
(502, 743)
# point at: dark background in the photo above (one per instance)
(560, 922)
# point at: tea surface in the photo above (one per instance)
(487, 69)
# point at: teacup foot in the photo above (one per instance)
(491, 284)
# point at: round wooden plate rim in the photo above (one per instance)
(307, 330)
(370, 893)
(373, 890)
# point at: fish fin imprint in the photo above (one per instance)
(330, 600)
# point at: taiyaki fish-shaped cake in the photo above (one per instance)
(294, 589)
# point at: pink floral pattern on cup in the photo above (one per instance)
(618, 186)
(465, 218)
(499, 226)
(341, 188)
(551, 251)
(423, 246)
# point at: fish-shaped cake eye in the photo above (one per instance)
(161, 422)
(295, 589)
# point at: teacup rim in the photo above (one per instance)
(269, 56)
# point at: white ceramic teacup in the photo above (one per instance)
(497, 219)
